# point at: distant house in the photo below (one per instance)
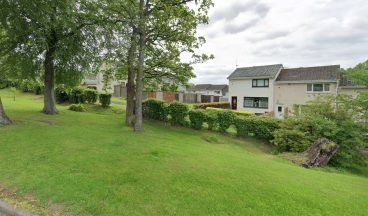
(275, 90)
(210, 92)
(117, 87)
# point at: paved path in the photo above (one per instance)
(8, 210)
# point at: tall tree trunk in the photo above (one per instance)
(139, 82)
(4, 120)
(129, 115)
(49, 95)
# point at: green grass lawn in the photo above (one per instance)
(91, 164)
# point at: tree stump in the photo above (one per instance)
(320, 153)
(4, 120)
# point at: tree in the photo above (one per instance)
(4, 120)
(59, 36)
(359, 73)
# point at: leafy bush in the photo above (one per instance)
(154, 109)
(26, 85)
(90, 95)
(225, 120)
(178, 112)
(221, 105)
(61, 94)
(38, 88)
(105, 100)
(211, 118)
(236, 112)
(77, 95)
(77, 108)
(261, 127)
(197, 118)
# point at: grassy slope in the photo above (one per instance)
(92, 164)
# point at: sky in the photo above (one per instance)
(294, 33)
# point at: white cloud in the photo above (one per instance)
(291, 32)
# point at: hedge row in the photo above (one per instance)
(24, 85)
(79, 95)
(176, 113)
(221, 105)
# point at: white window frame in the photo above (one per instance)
(323, 89)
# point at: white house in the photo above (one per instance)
(276, 90)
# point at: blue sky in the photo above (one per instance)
(292, 32)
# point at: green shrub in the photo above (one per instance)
(61, 94)
(221, 105)
(38, 88)
(77, 108)
(90, 95)
(77, 95)
(225, 120)
(261, 127)
(236, 112)
(197, 118)
(105, 100)
(297, 134)
(211, 118)
(154, 109)
(178, 112)
(27, 85)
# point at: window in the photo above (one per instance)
(279, 109)
(256, 102)
(217, 92)
(318, 87)
(260, 83)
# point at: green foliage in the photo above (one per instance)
(236, 112)
(225, 120)
(220, 105)
(178, 112)
(90, 95)
(77, 108)
(105, 100)
(359, 74)
(261, 127)
(211, 118)
(38, 88)
(27, 85)
(61, 94)
(197, 118)
(154, 109)
(77, 95)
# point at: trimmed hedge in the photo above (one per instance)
(197, 118)
(178, 112)
(77, 95)
(211, 118)
(90, 95)
(105, 100)
(77, 108)
(154, 109)
(262, 127)
(225, 120)
(221, 105)
(61, 94)
(236, 112)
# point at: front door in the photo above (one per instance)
(234, 103)
(280, 112)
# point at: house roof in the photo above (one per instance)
(256, 71)
(320, 73)
(209, 87)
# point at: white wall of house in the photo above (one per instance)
(289, 94)
(242, 88)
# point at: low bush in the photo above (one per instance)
(154, 109)
(262, 127)
(77, 95)
(225, 120)
(27, 85)
(211, 118)
(105, 100)
(38, 88)
(197, 118)
(77, 108)
(236, 112)
(61, 94)
(221, 105)
(178, 112)
(90, 95)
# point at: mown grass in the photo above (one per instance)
(91, 164)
